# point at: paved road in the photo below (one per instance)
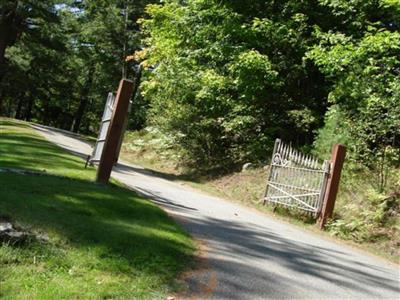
(253, 256)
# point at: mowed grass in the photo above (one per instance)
(97, 242)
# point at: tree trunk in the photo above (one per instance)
(10, 30)
(125, 41)
(4, 29)
(19, 108)
(3, 34)
(28, 112)
(84, 100)
(1, 97)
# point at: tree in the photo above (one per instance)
(363, 67)
(18, 17)
(106, 33)
(230, 77)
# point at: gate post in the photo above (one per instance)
(115, 130)
(332, 187)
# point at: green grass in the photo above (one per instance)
(103, 241)
(21, 147)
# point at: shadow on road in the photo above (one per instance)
(245, 249)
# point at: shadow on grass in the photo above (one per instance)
(124, 229)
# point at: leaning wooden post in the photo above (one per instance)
(332, 187)
(115, 130)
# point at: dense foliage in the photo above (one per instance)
(228, 77)
(226, 81)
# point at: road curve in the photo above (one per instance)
(250, 255)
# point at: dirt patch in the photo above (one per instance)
(199, 282)
(246, 187)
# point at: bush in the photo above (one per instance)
(365, 214)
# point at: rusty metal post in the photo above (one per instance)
(115, 130)
(332, 187)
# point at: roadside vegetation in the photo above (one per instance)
(84, 240)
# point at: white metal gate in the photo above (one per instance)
(296, 180)
(105, 123)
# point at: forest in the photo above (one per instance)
(221, 80)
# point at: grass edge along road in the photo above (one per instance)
(90, 241)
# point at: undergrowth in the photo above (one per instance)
(365, 214)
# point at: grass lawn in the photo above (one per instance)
(102, 242)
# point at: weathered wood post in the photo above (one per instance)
(332, 187)
(115, 130)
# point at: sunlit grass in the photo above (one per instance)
(100, 242)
